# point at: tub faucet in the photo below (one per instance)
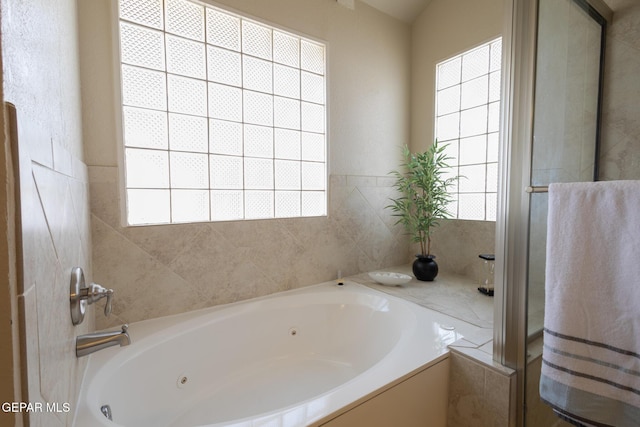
(90, 343)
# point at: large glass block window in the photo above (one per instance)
(223, 116)
(468, 120)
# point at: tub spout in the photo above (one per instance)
(90, 343)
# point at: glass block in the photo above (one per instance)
(475, 63)
(287, 175)
(189, 205)
(287, 144)
(226, 172)
(258, 141)
(145, 128)
(494, 117)
(258, 174)
(147, 168)
(473, 150)
(287, 204)
(189, 170)
(286, 81)
(474, 92)
(258, 108)
(226, 137)
(225, 102)
(449, 73)
(185, 19)
(472, 178)
(313, 147)
(188, 133)
(492, 178)
(257, 74)
(223, 29)
(492, 147)
(256, 40)
(185, 57)
(452, 207)
(286, 113)
(492, 206)
(313, 176)
(145, 12)
(187, 95)
(144, 88)
(312, 57)
(286, 49)
(312, 118)
(448, 127)
(226, 205)
(312, 88)
(314, 203)
(471, 206)
(148, 207)
(496, 55)
(141, 46)
(448, 100)
(473, 121)
(258, 204)
(494, 86)
(451, 151)
(451, 172)
(224, 66)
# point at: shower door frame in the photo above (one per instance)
(512, 221)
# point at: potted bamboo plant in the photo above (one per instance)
(423, 202)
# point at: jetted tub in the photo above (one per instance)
(289, 359)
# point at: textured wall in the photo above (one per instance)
(444, 29)
(40, 67)
(620, 150)
(160, 270)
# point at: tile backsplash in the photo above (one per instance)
(167, 269)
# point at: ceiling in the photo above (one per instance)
(408, 10)
(404, 10)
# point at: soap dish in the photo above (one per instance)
(389, 278)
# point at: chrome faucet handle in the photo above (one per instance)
(82, 295)
(107, 306)
(96, 292)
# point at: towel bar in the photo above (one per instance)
(537, 189)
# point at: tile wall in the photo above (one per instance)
(161, 270)
(620, 150)
(480, 391)
(41, 78)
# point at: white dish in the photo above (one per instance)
(389, 279)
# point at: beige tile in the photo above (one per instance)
(29, 329)
(143, 287)
(497, 394)
(466, 389)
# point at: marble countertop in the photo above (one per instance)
(454, 295)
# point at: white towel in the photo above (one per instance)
(591, 354)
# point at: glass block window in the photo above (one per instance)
(468, 120)
(224, 117)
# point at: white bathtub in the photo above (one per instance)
(289, 359)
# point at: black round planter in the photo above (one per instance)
(425, 268)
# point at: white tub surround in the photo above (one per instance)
(296, 358)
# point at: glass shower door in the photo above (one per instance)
(566, 117)
(569, 66)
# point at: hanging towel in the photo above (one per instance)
(591, 353)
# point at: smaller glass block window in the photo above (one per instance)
(224, 117)
(467, 119)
